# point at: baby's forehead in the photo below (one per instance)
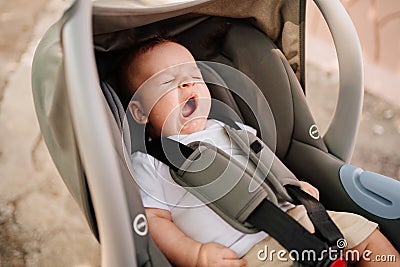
(169, 78)
(154, 71)
(169, 52)
(179, 68)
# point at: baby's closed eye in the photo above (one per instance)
(168, 81)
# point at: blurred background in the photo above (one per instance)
(40, 224)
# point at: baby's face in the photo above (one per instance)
(172, 94)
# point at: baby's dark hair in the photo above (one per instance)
(124, 81)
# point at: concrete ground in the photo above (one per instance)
(40, 224)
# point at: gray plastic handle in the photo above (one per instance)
(373, 192)
(95, 140)
(341, 135)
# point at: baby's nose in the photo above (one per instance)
(186, 85)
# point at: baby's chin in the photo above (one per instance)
(191, 126)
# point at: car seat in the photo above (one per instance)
(94, 167)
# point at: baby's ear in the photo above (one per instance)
(136, 109)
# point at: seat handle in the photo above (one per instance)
(341, 135)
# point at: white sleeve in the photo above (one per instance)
(147, 177)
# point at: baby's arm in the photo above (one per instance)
(184, 251)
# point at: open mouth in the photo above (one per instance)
(189, 107)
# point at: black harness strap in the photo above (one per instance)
(287, 231)
(268, 217)
(324, 226)
(177, 152)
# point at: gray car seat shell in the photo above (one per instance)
(92, 165)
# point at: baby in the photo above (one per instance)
(175, 103)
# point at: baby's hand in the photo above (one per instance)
(310, 189)
(214, 254)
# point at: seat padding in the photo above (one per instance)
(247, 49)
